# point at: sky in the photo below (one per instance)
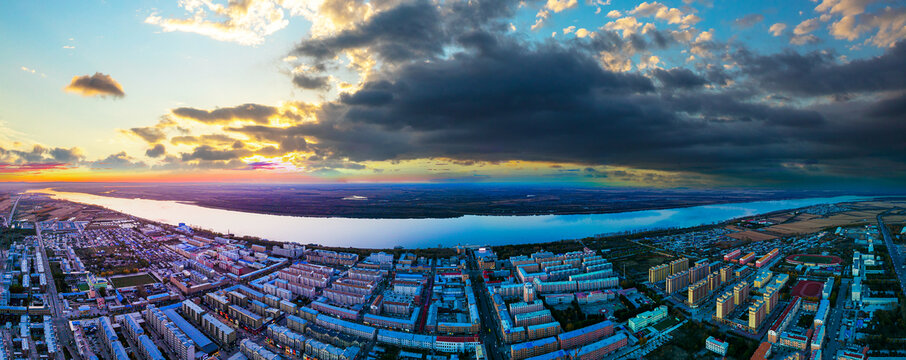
(688, 93)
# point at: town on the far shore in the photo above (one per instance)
(822, 282)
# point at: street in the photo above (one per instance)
(9, 221)
(895, 255)
(64, 334)
(834, 319)
(490, 327)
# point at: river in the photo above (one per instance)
(421, 233)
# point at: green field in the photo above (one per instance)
(814, 259)
(133, 280)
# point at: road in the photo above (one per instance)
(895, 255)
(491, 328)
(64, 334)
(9, 221)
(833, 322)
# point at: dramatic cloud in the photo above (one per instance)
(503, 100)
(644, 97)
(209, 153)
(404, 32)
(819, 73)
(117, 161)
(41, 155)
(248, 112)
(679, 78)
(311, 82)
(156, 151)
(66, 155)
(209, 139)
(150, 134)
(95, 85)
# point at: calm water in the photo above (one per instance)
(413, 233)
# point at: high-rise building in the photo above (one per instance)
(756, 314)
(770, 296)
(740, 293)
(679, 265)
(725, 305)
(677, 281)
(726, 273)
(658, 273)
(698, 292)
(698, 272)
(713, 281)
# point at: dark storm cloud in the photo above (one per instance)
(253, 112)
(455, 83)
(893, 108)
(209, 139)
(679, 78)
(415, 30)
(401, 33)
(95, 85)
(156, 151)
(373, 94)
(208, 153)
(503, 99)
(727, 107)
(819, 73)
(311, 82)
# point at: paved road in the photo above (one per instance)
(834, 320)
(488, 321)
(9, 221)
(894, 255)
(64, 335)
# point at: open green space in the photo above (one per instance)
(133, 280)
(813, 259)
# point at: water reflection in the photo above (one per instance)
(479, 230)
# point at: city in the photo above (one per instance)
(453, 180)
(107, 285)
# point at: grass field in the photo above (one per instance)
(132, 280)
(814, 259)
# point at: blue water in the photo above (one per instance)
(420, 233)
